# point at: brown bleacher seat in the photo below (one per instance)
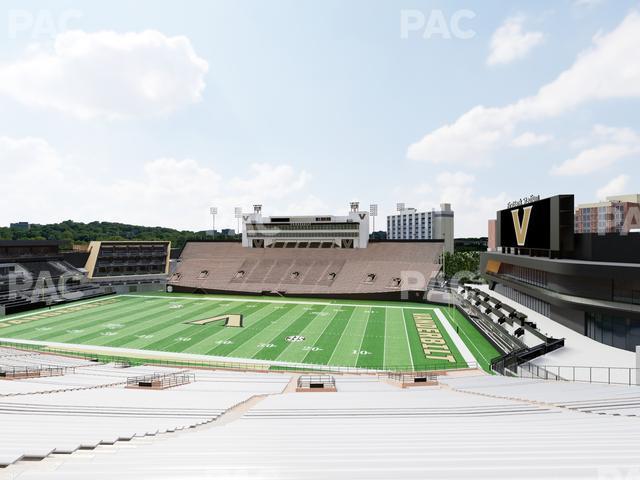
(340, 271)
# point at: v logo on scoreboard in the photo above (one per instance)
(521, 228)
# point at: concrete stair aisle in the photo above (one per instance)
(38, 425)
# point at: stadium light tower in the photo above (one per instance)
(373, 213)
(238, 214)
(213, 211)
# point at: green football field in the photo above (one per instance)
(338, 333)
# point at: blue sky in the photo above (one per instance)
(149, 112)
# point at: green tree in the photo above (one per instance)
(461, 262)
(82, 233)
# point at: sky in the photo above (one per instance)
(150, 112)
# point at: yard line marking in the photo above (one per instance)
(296, 302)
(384, 349)
(319, 336)
(337, 344)
(291, 316)
(462, 347)
(66, 305)
(406, 333)
(364, 333)
(469, 340)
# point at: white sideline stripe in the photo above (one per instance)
(71, 304)
(141, 354)
(406, 336)
(462, 347)
(294, 302)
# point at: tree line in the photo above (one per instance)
(71, 232)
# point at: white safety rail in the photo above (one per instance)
(34, 426)
(406, 434)
(12, 357)
(585, 397)
(91, 376)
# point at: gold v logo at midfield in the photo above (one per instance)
(230, 320)
(521, 228)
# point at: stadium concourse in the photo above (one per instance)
(85, 423)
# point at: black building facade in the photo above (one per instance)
(590, 283)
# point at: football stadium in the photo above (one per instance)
(307, 349)
(320, 240)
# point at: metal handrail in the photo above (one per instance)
(410, 377)
(579, 373)
(39, 370)
(166, 379)
(307, 380)
(243, 366)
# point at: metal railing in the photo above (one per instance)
(508, 364)
(316, 381)
(161, 380)
(242, 366)
(495, 333)
(414, 377)
(573, 373)
(33, 371)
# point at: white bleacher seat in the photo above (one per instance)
(431, 433)
(482, 427)
(586, 397)
(63, 422)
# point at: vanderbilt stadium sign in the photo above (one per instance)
(523, 201)
(545, 224)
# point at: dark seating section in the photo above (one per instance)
(117, 259)
(36, 283)
(504, 325)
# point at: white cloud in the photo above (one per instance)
(467, 141)
(593, 159)
(472, 210)
(587, 3)
(616, 186)
(30, 165)
(264, 180)
(308, 205)
(510, 42)
(612, 144)
(169, 192)
(530, 139)
(609, 69)
(108, 74)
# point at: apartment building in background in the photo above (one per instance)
(410, 224)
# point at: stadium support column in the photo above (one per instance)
(442, 226)
(373, 213)
(238, 215)
(638, 365)
(213, 211)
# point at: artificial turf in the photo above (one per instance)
(379, 335)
